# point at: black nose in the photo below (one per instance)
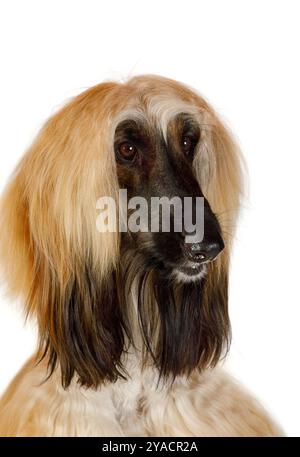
(205, 251)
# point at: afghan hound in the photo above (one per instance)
(131, 324)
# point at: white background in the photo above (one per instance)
(243, 56)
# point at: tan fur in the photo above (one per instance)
(48, 229)
(209, 405)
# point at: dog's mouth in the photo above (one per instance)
(189, 272)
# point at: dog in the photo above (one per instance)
(132, 324)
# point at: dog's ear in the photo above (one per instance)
(219, 168)
(52, 255)
(83, 329)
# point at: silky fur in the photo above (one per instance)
(117, 354)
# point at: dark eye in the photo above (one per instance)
(127, 151)
(187, 145)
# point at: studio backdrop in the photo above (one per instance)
(242, 58)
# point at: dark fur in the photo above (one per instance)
(94, 332)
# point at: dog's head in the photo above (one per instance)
(154, 138)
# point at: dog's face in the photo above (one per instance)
(151, 164)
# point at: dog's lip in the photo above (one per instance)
(192, 269)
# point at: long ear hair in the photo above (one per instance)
(52, 255)
(219, 168)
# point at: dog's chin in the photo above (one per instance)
(189, 273)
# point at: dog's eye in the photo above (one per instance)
(127, 151)
(187, 145)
